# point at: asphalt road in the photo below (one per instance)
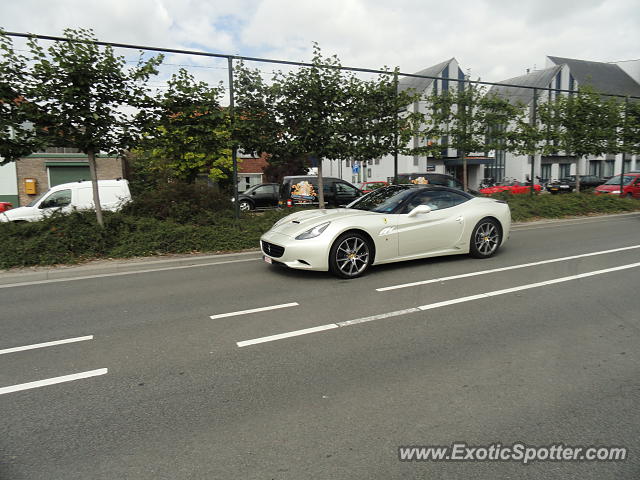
(163, 391)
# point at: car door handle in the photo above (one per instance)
(459, 219)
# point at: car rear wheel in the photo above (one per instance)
(245, 205)
(485, 239)
(629, 195)
(350, 255)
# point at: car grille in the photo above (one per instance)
(272, 250)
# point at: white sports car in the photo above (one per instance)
(392, 224)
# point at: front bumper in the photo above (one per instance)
(310, 254)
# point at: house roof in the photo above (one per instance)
(421, 84)
(538, 78)
(252, 165)
(603, 77)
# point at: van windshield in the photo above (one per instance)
(33, 202)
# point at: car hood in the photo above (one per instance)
(17, 213)
(299, 222)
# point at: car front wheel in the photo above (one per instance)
(245, 205)
(350, 255)
(485, 239)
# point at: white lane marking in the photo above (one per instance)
(294, 333)
(432, 306)
(45, 344)
(504, 269)
(116, 274)
(254, 310)
(52, 381)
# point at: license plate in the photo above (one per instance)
(267, 259)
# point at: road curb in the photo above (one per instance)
(115, 266)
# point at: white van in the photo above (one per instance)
(67, 197)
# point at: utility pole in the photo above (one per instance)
(395, 131)
(533, 122)
(234, 149)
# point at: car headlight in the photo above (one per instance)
(313, 232)
(615, 192)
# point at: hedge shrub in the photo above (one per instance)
(177, 220)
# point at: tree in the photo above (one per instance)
(317, 112)
(18, 135)
(81, 92)
(587, 125)
(185, 131)
(375, 121)
(468, 120)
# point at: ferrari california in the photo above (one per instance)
(392, 224)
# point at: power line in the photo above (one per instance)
(284, 62)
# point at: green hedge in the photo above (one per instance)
(76, 237)
(526, 208)
(164, 223)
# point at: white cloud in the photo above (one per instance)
(496, 39)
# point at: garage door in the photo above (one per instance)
(58, 175)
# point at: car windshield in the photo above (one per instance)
(384, 200)
(616, 180)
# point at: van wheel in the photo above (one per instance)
(485, 239)
(350, 255)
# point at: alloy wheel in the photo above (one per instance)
(352, 256)
(487, 238)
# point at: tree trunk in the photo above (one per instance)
(91, 154)
(578, 159)
(320, 185)
(465, 182)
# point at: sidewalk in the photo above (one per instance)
(144, 264)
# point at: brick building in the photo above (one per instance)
(50, 168)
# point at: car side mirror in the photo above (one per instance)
(419, 210)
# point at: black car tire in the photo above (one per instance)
(485, 238)
(629, 195)
(245, 205)
(350, 255)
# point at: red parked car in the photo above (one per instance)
(630, 186)
(4, 206)
(513, 187)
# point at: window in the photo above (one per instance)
(437, 200)
(368, 172)
(609, 165)
(343, 188)
(445, 78)
(595, 168)
(627, 165)
(348, 163)
(57, 199)
(377, 161)
(545, 171)
(565, 170)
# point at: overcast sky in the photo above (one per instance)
(494, 39)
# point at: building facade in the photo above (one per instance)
(567, 74)
(23, 181)
(449, 76)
